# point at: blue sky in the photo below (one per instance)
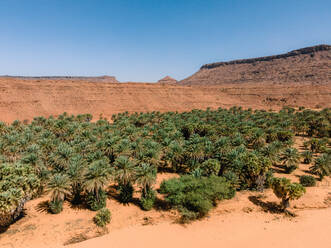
(145, 40)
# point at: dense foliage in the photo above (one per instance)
(195, 196)
(75, 159)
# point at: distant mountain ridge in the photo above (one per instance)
(306, 50)
(104, 78)
(309, 64)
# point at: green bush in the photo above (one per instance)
(126, 193)
(210, 167)
(193, 196)
(95, 203)
(307, 181)
(286, 191)
(147, 202)
(18, 184)
(55, 207)
(102, 218)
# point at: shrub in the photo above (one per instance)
(193, 196)
(210, 167)
(55, 206)
(147, 201)
(126, 193)
(232, 178)
(286, 191)
(102, 218)
(18, 184)
(96, 203)
(307, 181)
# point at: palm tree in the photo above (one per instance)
(59, 160)
(59, 187)
(322, 166)
(125, 176)
(96, 178)
(146, 177)
(272, 151)
(76, 173)
(307, 157)
(258, 139)
(290, 158)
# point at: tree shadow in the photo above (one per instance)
(79, 205)
(309, 172)
(11, 221)
(43, 207)
(279, 169)
(112, 192)
(270, 207)
(161, 204)
(3, 229)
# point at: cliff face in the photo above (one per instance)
(310, 64)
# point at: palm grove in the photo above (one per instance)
(215, 152)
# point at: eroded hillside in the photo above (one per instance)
(306, 65)
(25, 99)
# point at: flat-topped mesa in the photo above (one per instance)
(306, 50)
(105, 78)
(167, 80)
(305, 65)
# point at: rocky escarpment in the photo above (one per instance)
(306, 50)
(310, 64)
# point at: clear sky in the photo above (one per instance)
(144, 40)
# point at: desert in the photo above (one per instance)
(165, 124)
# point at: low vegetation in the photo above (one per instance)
(102, 218)
(215, 152)
(286, 191)
(195, 196)
(307, 181)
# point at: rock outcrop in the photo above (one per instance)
(167, 80)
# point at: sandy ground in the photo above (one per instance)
(249, 220)
(311, 229)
